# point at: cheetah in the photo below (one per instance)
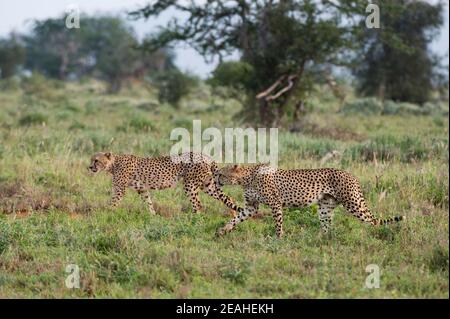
(277, 188)
(145, 174)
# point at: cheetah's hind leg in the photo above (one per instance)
(191, 191)
(145, 195)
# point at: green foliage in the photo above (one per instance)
(391, 107)
(141, 124)
(395, 62)
(307, 147)
(439, 259)
(9, 84)
(12, 55)
(38, 86)
(105, 47)
(387, 148)
(233, 74)
(275, 42)
(5, 236)
(32, 119)
(373, 106)
(173, 85)
(368, 106)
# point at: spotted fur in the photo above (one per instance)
(326, 187)
(145, 174)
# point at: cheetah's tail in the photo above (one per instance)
(389, 220)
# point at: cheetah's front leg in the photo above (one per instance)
(191, 191)
(277, 214)
(118, 191)
(214, 191)
(251, 208)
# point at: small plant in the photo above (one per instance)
(439, 259)
(141, 124)
(32, 119)
(5, 237)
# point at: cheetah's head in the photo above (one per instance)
(101, 162)
(229, 175)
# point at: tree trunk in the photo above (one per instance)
(265, 114)
(114, 86)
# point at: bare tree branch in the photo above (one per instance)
(271, 88)
(284, 90)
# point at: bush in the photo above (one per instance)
(367, 106)
(372, 106)
(9, 84)
(37, 85)
(436, 108)
(173, 85)
(403, 108)
(141, 124)
(5, 237)
(32, 119)
(439, 259)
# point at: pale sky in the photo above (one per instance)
(17, 15)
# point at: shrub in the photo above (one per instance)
(173, 85)
(5, 237)
(403, 108)
(76, 125)
(9, 84)
(37, 85)
(141, 124)
(32, 119)
(367, 106)
(438, 260)
(373, 106)
(436, 108)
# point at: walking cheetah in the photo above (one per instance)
(279, 188)
(145, 174)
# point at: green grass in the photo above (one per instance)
(54, 213)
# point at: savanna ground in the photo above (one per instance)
(54, 213)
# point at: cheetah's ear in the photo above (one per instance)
(108, 155)
(235, 167)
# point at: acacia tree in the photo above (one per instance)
(12, 55)
(395, 61)
(281, 41)
(52, 48)
(105, 47)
